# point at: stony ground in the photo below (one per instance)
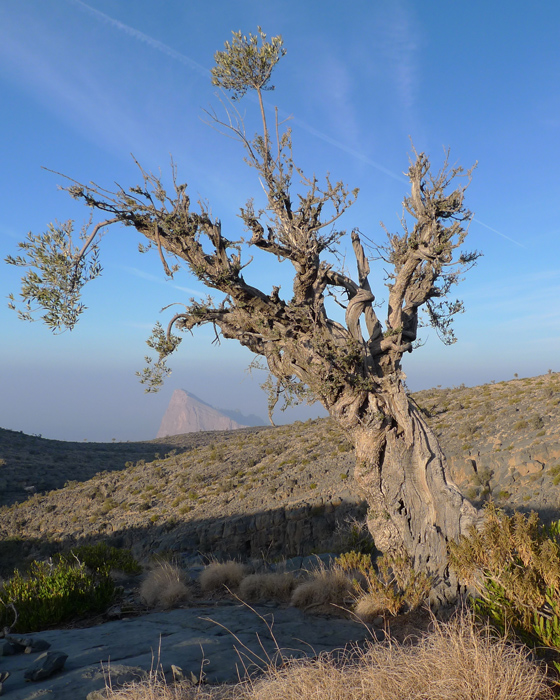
(209, 642)
(211, 637)
(501, 440)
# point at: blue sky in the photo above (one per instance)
(84, 85)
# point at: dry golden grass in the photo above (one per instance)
(278, 586)
(164, 586)
(155, 688)
(370, 606)
(219, 574)
(453, 662)
(326, 587)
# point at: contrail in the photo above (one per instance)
(503, 235)
(185, 60)
(348, 150)
(201, 70)
(144, 38)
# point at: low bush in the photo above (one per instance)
(271, 586)
(52, 593)
(101, 557)
(513, 563)
(326, 588)
(391, 586)
(164, 586)
(218, 575)
(68, 586)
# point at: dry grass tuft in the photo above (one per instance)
(278, 586)
(326, 587)
(164, 586)
(455, 661)
(152, 689)
(369, 606)
(219, 574)
(155, 688)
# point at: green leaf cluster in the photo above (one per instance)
(59, 272)
(246, 64)
(53, 593)
(155, 373)
(69, 586)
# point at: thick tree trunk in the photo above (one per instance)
(413, 505)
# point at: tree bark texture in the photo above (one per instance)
(413, 505)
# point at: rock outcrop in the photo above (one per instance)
(188, 414)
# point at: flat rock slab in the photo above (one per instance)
(220, 643)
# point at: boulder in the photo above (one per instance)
(45, 665)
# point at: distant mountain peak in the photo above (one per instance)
(186, 413)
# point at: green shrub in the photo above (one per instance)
(536, 422)
(53, 593)
(513, 563)
(483, 476)
(71, 585)
(102, 557)
(345, 447)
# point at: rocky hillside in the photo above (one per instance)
(268, 491)
(502, 440)
(250, 492)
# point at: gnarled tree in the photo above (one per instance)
(355, 373)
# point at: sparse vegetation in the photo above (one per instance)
(101, 556)
(513, 562)
(164, 586)
(455, 660)
(267, 586)
(325, 589)
(219, 575)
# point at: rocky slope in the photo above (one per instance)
(270, 491)
(250, 492)
(502, 440)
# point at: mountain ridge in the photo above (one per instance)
(186, 413)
